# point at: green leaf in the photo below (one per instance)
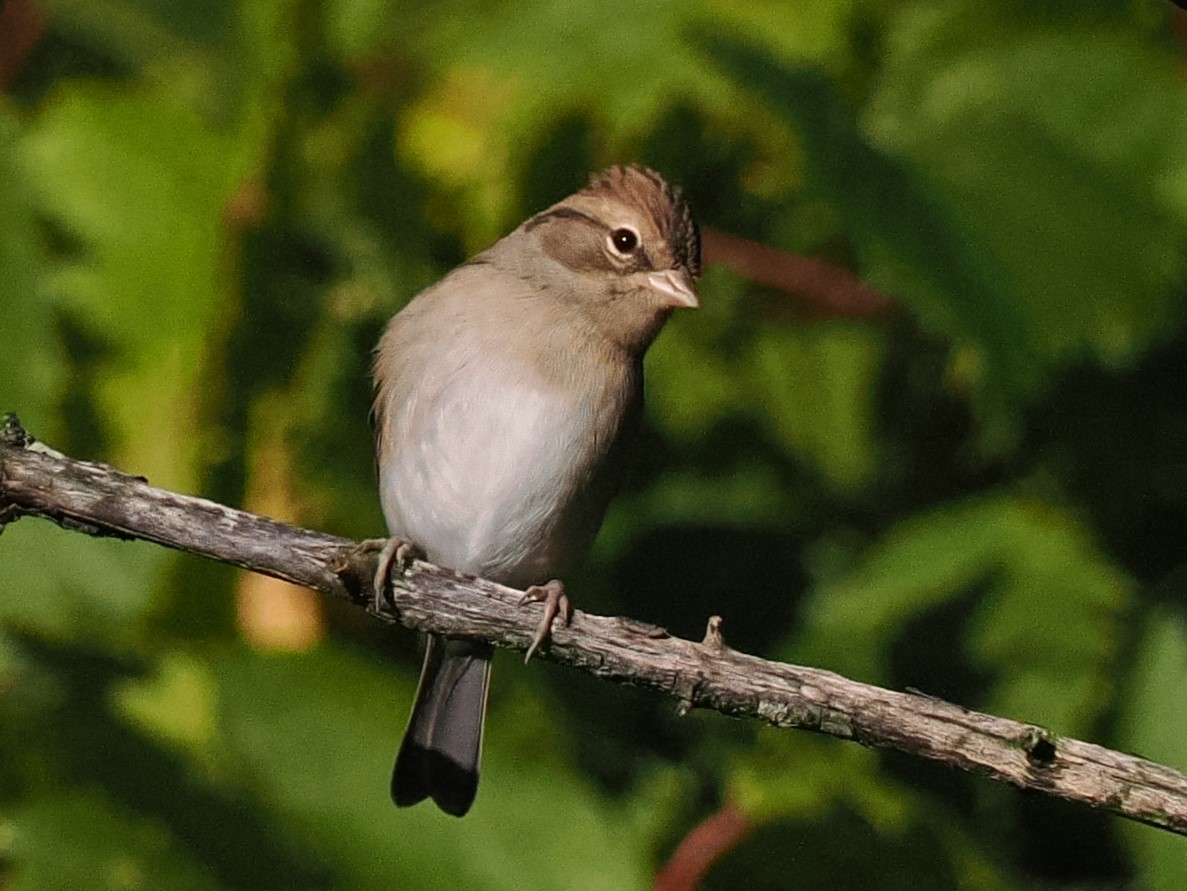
(176, 705)
(794, 774)
(82, 840)
(143, 32)
(501, 74)
(1045, 624)
(142, 181)
(816, 386)
(319, 731)
(59, 582)
(1153, 724)
(811, 387)
(30, 368)
(1070, 201)
(1017, 207)
(800, 782)
(684, 404)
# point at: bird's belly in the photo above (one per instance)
(483, 481)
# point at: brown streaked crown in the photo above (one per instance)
(662, 202)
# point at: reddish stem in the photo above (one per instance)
(21, 26)
(826, 289)
(1179, 25)
(708, 842)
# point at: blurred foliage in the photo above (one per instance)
(211, 208)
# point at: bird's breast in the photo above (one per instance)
(496, 471)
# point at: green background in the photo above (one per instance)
(209, 210)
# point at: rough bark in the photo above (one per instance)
(98, 500)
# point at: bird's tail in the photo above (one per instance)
(443, 743)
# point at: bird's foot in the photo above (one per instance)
(556, 603)
(395, 554)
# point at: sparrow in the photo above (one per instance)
(506, 400)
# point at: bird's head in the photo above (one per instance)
(629, 248)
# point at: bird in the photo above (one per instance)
(507, 399)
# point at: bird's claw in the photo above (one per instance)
(397, 554)
(556, 603)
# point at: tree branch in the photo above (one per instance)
(98, 500)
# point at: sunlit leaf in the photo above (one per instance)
(1154, 725)
(62, 582)
(320, 730)
(142, 182)
(1045, 620)
(177, 705)
(81, 840)
(1006, 127)
(815, 387)
(797, 784)
(957, 167)
(30, 368)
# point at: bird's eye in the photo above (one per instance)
(624, 240)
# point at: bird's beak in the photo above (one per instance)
(675, 286)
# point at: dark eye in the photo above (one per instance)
(624, 240)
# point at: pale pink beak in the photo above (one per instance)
(675, 286)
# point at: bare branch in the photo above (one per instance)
(98, 500)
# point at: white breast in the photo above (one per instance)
(480, 467)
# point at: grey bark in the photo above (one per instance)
(99, 500)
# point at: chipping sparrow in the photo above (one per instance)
(506, 396)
